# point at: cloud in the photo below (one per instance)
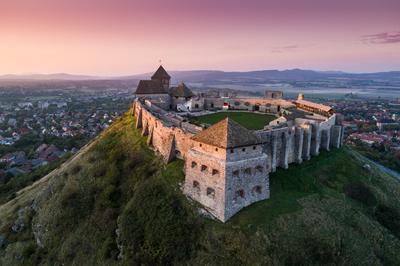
(382, 38)
(283, 49)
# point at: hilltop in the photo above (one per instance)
(116, 203)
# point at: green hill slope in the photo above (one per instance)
(115, 203)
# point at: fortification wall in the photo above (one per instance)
(205, 185)
(297, 143)
(225, 181)
(250, 104)
(166, 138)
(171, 137)
(246, 182)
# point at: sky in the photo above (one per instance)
(123, 37)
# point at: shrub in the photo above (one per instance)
(110, 248)
(76, 169)
(360, 192)
(156, 227)
(76, 202)
(389, 218)
(29, 250)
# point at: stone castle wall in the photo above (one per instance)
(167, 139)
(225, 181)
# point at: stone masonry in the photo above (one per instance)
(227, 166)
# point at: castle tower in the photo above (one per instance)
(300, 97)
(226, 169)
(162, 76)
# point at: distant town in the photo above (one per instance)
(40, 126)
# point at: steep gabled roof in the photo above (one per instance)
(160, 74)
(227, 134)
(150, 87)
(181, 91)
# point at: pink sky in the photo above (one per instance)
(119, 37)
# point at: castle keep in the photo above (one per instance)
(226, 165)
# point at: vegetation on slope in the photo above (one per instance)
(379, 153)
(8, 189)
(249, 120)
(115, 203)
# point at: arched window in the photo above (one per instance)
(204, 168)
(215, 172)
(210, 192)
(194, 164)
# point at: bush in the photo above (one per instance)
(75, 169)
(316, 252)
(360, 192)
(76, 203)
(389, 218)
(156, 227)
(110, 249)
(28, 250)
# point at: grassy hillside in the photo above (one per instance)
(115, 203)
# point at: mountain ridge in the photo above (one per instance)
(193, 75)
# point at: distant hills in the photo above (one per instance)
(54, 76)
(216, 75)
(203, 76)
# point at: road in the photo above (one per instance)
(378, 165)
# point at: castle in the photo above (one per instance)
(226, 165)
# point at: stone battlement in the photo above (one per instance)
(226, 165)
(277, 148)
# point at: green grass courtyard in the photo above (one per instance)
(253, 121)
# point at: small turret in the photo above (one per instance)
(300, 97)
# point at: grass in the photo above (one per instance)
(316, 214)
(319, 176)
(249, 120)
